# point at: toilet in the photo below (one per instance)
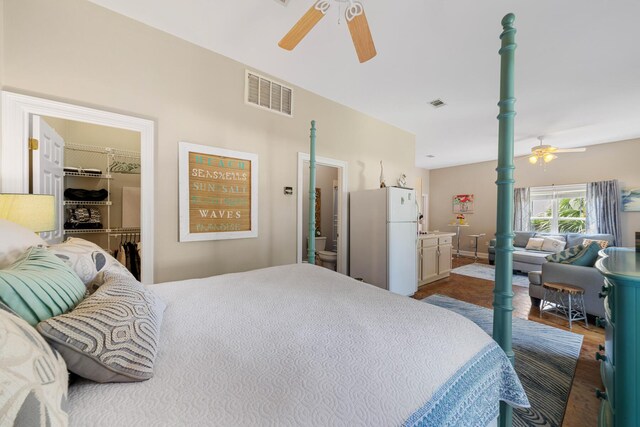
(326, 259)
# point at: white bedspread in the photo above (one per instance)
(290, 345)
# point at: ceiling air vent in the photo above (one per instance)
(437, 103)
(268, 94)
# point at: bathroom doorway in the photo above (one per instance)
(331, 204)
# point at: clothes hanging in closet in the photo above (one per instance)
(128, 254)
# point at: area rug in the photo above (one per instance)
(546, 359)
(488, 272)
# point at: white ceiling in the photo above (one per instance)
(577, 64)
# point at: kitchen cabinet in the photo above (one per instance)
(434, 253)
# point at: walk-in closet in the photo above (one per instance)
(98, 190)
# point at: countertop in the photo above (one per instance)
(431, 235)
(623, 263)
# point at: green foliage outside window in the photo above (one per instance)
(567, 208)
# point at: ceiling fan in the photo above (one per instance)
(545, 153)
(356, 20)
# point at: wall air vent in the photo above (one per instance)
(265, 93)
(437, 103)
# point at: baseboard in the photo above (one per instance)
(481, 255)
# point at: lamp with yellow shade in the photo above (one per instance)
(36, 212)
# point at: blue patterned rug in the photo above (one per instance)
(488, 272)
(546, 359)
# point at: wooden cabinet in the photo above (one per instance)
(434, 252)
(621, 351)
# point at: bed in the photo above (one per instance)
(288, 345)
(302, 345)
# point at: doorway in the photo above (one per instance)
(18, 113)
(331, 181)
(96, 184)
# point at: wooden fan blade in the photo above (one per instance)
(361, 36)
(571, 150)
(302, 27)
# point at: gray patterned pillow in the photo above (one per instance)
(87, 259)
(33, 377)
(111, 336)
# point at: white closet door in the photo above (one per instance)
(47, 170)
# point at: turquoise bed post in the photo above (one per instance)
(503, 292)
(312, 195)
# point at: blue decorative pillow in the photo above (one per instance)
(564, 256)
(39, 286)
(587, 257)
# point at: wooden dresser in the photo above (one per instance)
(620, 355)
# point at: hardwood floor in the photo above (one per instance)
(582, 407)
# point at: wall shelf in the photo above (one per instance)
(86, 175)
(87, 203)
(115, 161)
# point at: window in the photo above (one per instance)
(559, 209)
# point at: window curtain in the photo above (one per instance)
(603, 209)
(521, 209)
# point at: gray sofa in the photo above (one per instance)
(526, 260)
(588, 278)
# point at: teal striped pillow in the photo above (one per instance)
(39, 286)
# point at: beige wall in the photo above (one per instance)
(98, 58)
(617, 160)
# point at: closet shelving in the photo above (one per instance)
(115, 162)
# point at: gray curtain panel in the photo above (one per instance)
(521, 209)
(603, 209)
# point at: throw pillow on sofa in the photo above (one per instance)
(565, 255)
(587, 256)
(535, 243)
(553, 245)
(603, 243)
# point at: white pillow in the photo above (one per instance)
(87, 259)
(553, 245)
(14, 241)
(535, 243)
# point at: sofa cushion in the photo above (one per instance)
(574, 239)
(566, 254)
(553, 245)
(530, 257)
(603, 243)
(587, 256)
(522, 237)
(535, 244)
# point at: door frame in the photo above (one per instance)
(343, 188)
(14, 153)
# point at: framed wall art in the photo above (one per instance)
(463, 203)
(218, 193)
(631, 200)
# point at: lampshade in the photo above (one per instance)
(533, 159)
(34, 211)
(548, 157)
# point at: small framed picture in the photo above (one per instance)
(463, 203)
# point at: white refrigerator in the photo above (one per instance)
(383, 238)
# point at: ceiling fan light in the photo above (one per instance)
(533, 159)
(548, 157)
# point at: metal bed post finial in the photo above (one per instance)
(312, 195)
(503, 292)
